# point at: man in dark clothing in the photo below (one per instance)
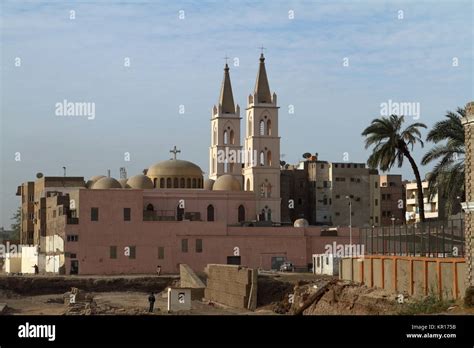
(36, 269)
(151, 300)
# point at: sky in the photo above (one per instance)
(331, 63)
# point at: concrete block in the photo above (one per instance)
(179, 299)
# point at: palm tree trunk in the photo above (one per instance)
(421, 203)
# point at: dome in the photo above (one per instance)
(174, 168)
(301, 223)
(140, 181)
(93, 180)
(106, 183)
(123, 182)
(226, 182)
(208, 184)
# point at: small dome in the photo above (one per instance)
(93, 180)
(140, 181)
(301, 223)
(123, 182)
(174, 168)
(226, 182)
(208, 184)
(106, 183)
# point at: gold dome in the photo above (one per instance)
(106, 183)
(140, 181)
(226, 182)
(174, 168)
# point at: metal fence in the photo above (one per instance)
(429, 239)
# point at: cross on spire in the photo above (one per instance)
(226, 59)
(262, 48)
(175, 151)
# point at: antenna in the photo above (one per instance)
(108, 173)
(123, 173)
(64, 168)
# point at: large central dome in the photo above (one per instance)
(175, 173)
(174, 167)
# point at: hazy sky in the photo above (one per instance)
(178, 61)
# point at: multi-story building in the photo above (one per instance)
(434, 209)
(392, 193)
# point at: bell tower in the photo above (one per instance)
(262, 147)
(225, 149)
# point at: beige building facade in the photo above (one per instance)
(468, 206)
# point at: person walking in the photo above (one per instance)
(151, 300)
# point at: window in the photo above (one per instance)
(31, 198)
(226, 140)
(376, 219)
(54, 213)
(150, 207)
(327, 260)
(262, 158)
(162, 182)
(113, 252)
(232, 137)
(352, 179)
(161, 253)
(322, 166)
(262, 127)
(184, 245)
(269, 127)
(376, 202)
(127, 212)
(269, 158)
(199, 245)
(210, 212)
(343, 165)
(72, 238)
(241, 213)
(175, 183)
(376, 184)
(73, 256)
(337, 196)
(94, 214)
(194, 183)
(133, 252)
(168, 182)
(181, 183)
(337, 213)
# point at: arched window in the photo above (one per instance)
(179, 213)
(262, 158)
(241, 215)
(232, 137)
(194, 183)
(214, 136)
(249, 130)
(150, 207)
(162, 182)
(269, 127)
(225, 137)
(269, 215)
(248, 185)
(269, 158)
(263, 190)
(168, 182)
(154, 182)
(188, 184)
(181, 183)
(210, 212)
(175, 183)
(262, 127)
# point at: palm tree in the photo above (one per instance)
(392, 145)
(447, 177)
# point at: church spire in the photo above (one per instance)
(226, 100)
(262, 89)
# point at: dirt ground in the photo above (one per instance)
(277, 294)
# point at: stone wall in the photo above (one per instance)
(233, 286)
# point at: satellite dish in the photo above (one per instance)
(39, 175)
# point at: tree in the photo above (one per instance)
(16, 226)
(392, 145)
(306, 155)
(447, 177)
